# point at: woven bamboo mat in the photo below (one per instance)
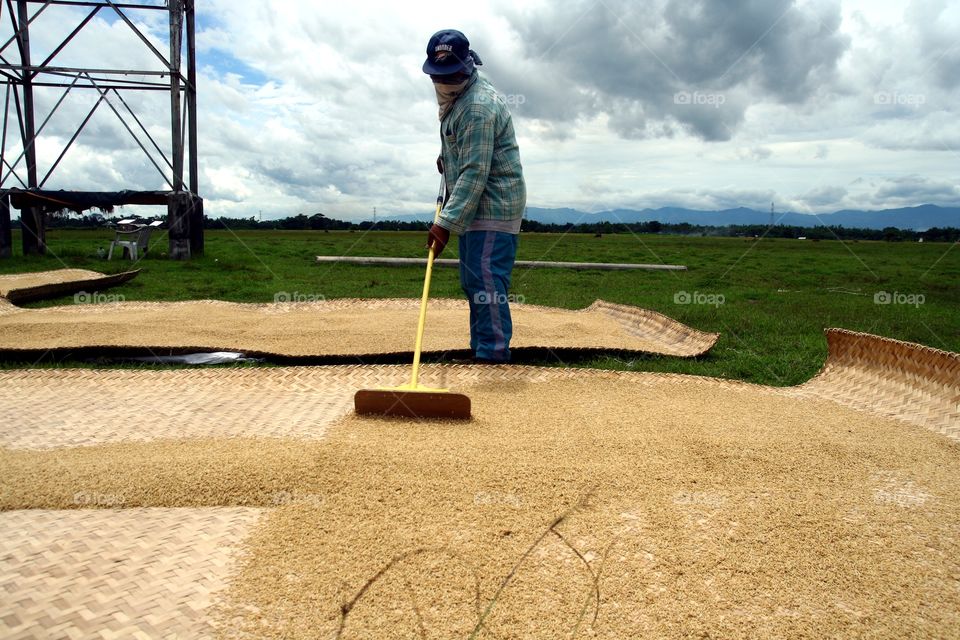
(80, 407)
(44, 409)
(14, 281)
(344, 327)
(26, 287)
(77, 407)
(58, 570)
(116, 573)
(890, 378)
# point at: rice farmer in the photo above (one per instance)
(486, 194)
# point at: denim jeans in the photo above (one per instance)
(486, 262)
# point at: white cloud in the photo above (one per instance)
(308, 107)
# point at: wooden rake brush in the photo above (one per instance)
(412, 400)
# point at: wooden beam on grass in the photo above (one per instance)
(529, 264)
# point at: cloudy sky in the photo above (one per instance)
(312, 107)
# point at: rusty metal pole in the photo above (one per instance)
(196, 205)
(176, 37)
(178, 206)
(6, 237)
(32, 231)
(22, 78)
(192, 94)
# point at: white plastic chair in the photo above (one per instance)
(136, 240)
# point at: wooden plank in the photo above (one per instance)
(78, 200)
(529, 264)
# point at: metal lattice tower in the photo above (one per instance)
(21, 74)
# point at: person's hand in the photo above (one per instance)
(440, 164)
(437, 238)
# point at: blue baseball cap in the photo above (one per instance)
(448, 52)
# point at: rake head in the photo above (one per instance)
(408, 402)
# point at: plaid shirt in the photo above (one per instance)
(481, 160)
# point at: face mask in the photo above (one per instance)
(447, 94)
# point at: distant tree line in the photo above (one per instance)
(70, 220)
(320, 222)
(316, 222)
(890, 234)
(833, 232)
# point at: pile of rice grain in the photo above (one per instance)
(569, 509)
(337, 328)
(13, 281)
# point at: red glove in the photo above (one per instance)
(437, 238)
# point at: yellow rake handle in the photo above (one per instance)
(415, 374)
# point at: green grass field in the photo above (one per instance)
(770, 299)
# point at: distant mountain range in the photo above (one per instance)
(917, 218)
